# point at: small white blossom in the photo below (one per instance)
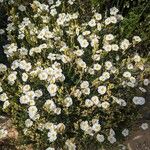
(88, 103)
(113, 11)
(146, 82)
(84, 84)
(125, 132)
(32, 110)
(144, 126)
(138, 100)
(111, 139)
(102, 90)
(28, 123)
(52, 89)
(92, 23)
(127, 74)
(68, 101)
(105, 105)
(100, 138)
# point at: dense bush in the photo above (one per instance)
(74, 79)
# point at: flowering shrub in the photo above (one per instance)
(70, 82)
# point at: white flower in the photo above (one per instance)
(84, 125)
(125, 132)
(49, 126)
(3, 68)
(94, 41)
(32, 110)
(102, 78)
(50, 104)
(81, 63)
(127, 74)
(113, 11)
(137, 39)
(32, 103)
(142, 89)
(6, 104)
(112, 132)
(84, 43)
(88, 103)
(106, 75)
(137, 58)
(105, 105)
(130, 84)
(79, 52)
(15, 65)
(138, 100)
(28, 123)
(97, 67)
(52, 135)
(100, 138)
(98, 16)
(3, 97)
(96, 57)
(107, 21)
(50, 2)
(113, 19)
(57, 111)
(71, 2)
(130, 66)
(91, 71)
(107, 47)
(96, 127)
(12, 77)
(38, 93)
(70, 145)
(31, 94)
(24, 99)
(11, 49)
(108, 65)
(53, 12)
(77, 93)
(109, 37)
(22, 8)
(95, 100)
(132, 79)
(99, 26)
(27, 67)
(43, 75)
(86, 91)
(114, 47)
(24, 77)
(92, 23)
(124, 44)
(102, 90)
(84, 84)
(52, 89)
(2, 31)
(146, 82)
(26, 88)
(111, 139)
(68, 101)
(122, 102)
(144, 126)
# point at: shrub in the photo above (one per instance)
(71, 82)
